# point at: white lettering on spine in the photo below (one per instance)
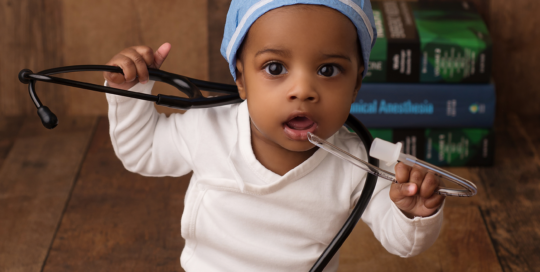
(395, 25)
(378, 23)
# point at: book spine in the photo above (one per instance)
(377, 68)
(429, 42)
(454, 41)
(444, 147)
(383, 105)
(403, 48)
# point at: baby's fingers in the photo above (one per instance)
(434, 201)
(138, 58)
(399, 191)
(129, 70)
(115, 78)
(429, 185)
(402, 172)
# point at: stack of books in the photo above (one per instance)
(428, 84)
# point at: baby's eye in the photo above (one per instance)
(328, 70)
(275, 69)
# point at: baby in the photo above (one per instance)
(262, 198)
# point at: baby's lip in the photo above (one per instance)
(298, 129)
(299, 114)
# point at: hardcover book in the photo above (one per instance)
(430, 42)
(414, 105)
(444, 147)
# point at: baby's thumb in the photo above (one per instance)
(161, 54)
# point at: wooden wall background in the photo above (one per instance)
(40, 34)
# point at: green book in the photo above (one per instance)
(444, 147)
(445, 42)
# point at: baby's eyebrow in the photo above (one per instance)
(339, 56)
(282, 52)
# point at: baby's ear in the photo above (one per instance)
(240, 79)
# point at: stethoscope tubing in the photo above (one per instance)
(192, 88)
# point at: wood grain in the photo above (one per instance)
(31, 38)
(463, 245)
(218, 66)
(97, 30)
(46, 34)
(516, 39)
(118, 220)
(531, 127)
(512, 208)
(9, 128)
(36, 180)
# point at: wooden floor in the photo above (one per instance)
(67, 204)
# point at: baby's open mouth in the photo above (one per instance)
(300, 123)
(297, 127)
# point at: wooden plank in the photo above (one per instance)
(463, 245)
(32, 38)
(117, 220)
(36, 180)
(531, 127)
(218, 66)
(514, 231)
(44, 34)
(516, 38)
(9, 128)
(514, 179)
(97, 30)
(512, 210)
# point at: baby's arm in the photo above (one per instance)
(145, 141)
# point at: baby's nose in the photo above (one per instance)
(303, 90)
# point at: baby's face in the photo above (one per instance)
(299, 71)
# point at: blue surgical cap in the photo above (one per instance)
(243, 13)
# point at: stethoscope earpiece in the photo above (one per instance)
(48, 118)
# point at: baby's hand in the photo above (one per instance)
(134, 61)
(414, 194)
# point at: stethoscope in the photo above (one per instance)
(192, 88)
